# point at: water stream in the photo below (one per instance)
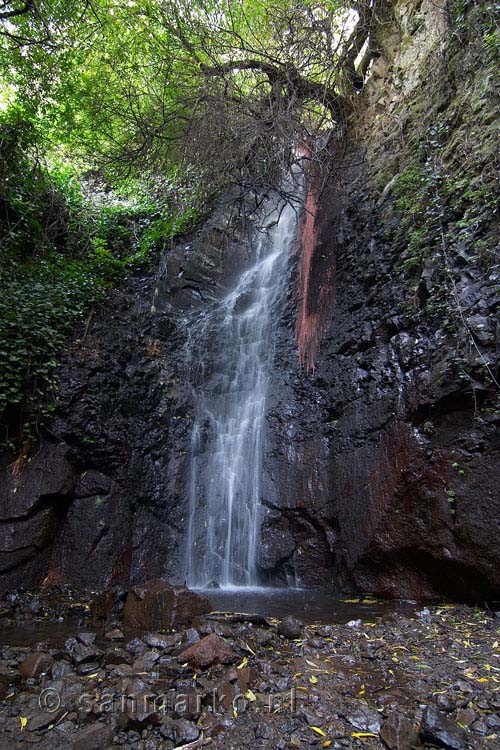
(230, 409)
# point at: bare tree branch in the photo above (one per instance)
(26, 8)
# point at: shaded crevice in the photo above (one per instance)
(448, 578)
(44, 502)
(191, 288)
(295, 515)
(456, 401)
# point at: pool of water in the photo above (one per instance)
(305, 604)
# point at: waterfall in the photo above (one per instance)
(228, 433)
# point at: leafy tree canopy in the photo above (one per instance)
(134, 85)
(120, 120)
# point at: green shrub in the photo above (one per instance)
(63, 242)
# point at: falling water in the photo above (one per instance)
(229, 427)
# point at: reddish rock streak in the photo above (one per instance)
(306, 327)
(315, 287)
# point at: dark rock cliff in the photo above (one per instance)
(381, 466)
(384, 462)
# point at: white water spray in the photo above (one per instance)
(229, 428)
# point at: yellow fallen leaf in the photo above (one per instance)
(327, 743)
(318, 731)
(23, 720)
(362, 735)
(243, 663)
(313, 679)
(312, 664)
(301, 687)
(250, 695)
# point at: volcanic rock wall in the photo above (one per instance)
(102, 500)
(381, 466)
(383, 471)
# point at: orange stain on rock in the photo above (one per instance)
(307, 324)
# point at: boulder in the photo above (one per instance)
(179, 730)
(161, 642)
(81, 653)
(97, 736)
(208, 651)
(290, 628)
(437, 729)
(399, 733)
(35, 664)
(157, 605)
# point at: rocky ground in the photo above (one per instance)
(238, 681)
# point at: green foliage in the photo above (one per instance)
(40, 302)
(446, 218)
(119, 123)
(480, 20)
(63, 244)
(492, 46)
(435, 205)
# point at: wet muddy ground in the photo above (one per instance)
(375, 676)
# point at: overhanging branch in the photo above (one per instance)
(285, 77)
(26, 8)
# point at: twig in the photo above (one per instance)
(197, 743)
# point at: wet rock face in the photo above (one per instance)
(31, 505)
(380, 469)
(376, 474)
(381, 465)
(102, 501)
